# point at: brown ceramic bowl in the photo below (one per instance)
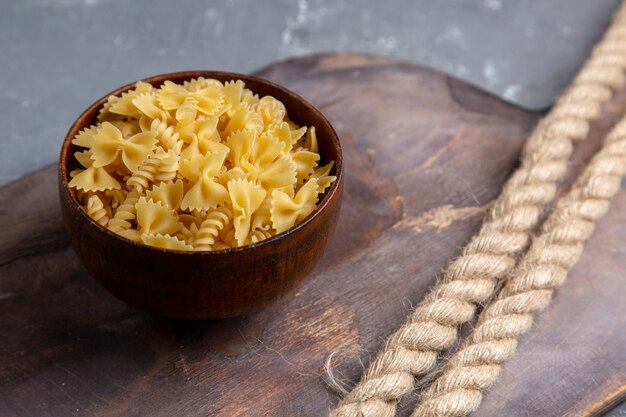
(205, 285)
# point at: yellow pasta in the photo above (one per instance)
(125, 213)
(170, 194)
(156, 218)
(240, 143)
(279, 174)
(85, 137)
(167, 135)
(94, 179)
(257, 235)
(211, 226)
(189, 229)
(305, 162)
(96, 210)
(116, 197)
(147, 173)
(108, 143)
(124, 106)
(168, 167)
(165, 242)
(246, 197)
(271, 110)
(324, 179)
(200, 171)
(197, 166)
(286, 211)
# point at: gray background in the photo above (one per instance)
(58, 56)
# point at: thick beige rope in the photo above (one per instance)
(474, 367)
(472, 278)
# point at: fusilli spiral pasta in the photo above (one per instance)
(168, 166)
(210, 228)
(96, 210)
(125, 213)
(167, 135)
(146, 174)
(258, 235)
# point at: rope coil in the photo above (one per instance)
(473, 277)
(529, 289)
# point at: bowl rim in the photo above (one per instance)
(328, 195)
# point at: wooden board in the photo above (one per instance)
(425, 156)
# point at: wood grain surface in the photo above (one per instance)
(424, 157)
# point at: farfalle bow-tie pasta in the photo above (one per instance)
(198, 166)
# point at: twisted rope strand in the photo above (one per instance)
(472, 278)
(474, 367)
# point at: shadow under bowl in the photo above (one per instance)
(204, 285)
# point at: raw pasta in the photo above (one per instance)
(202, 165)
